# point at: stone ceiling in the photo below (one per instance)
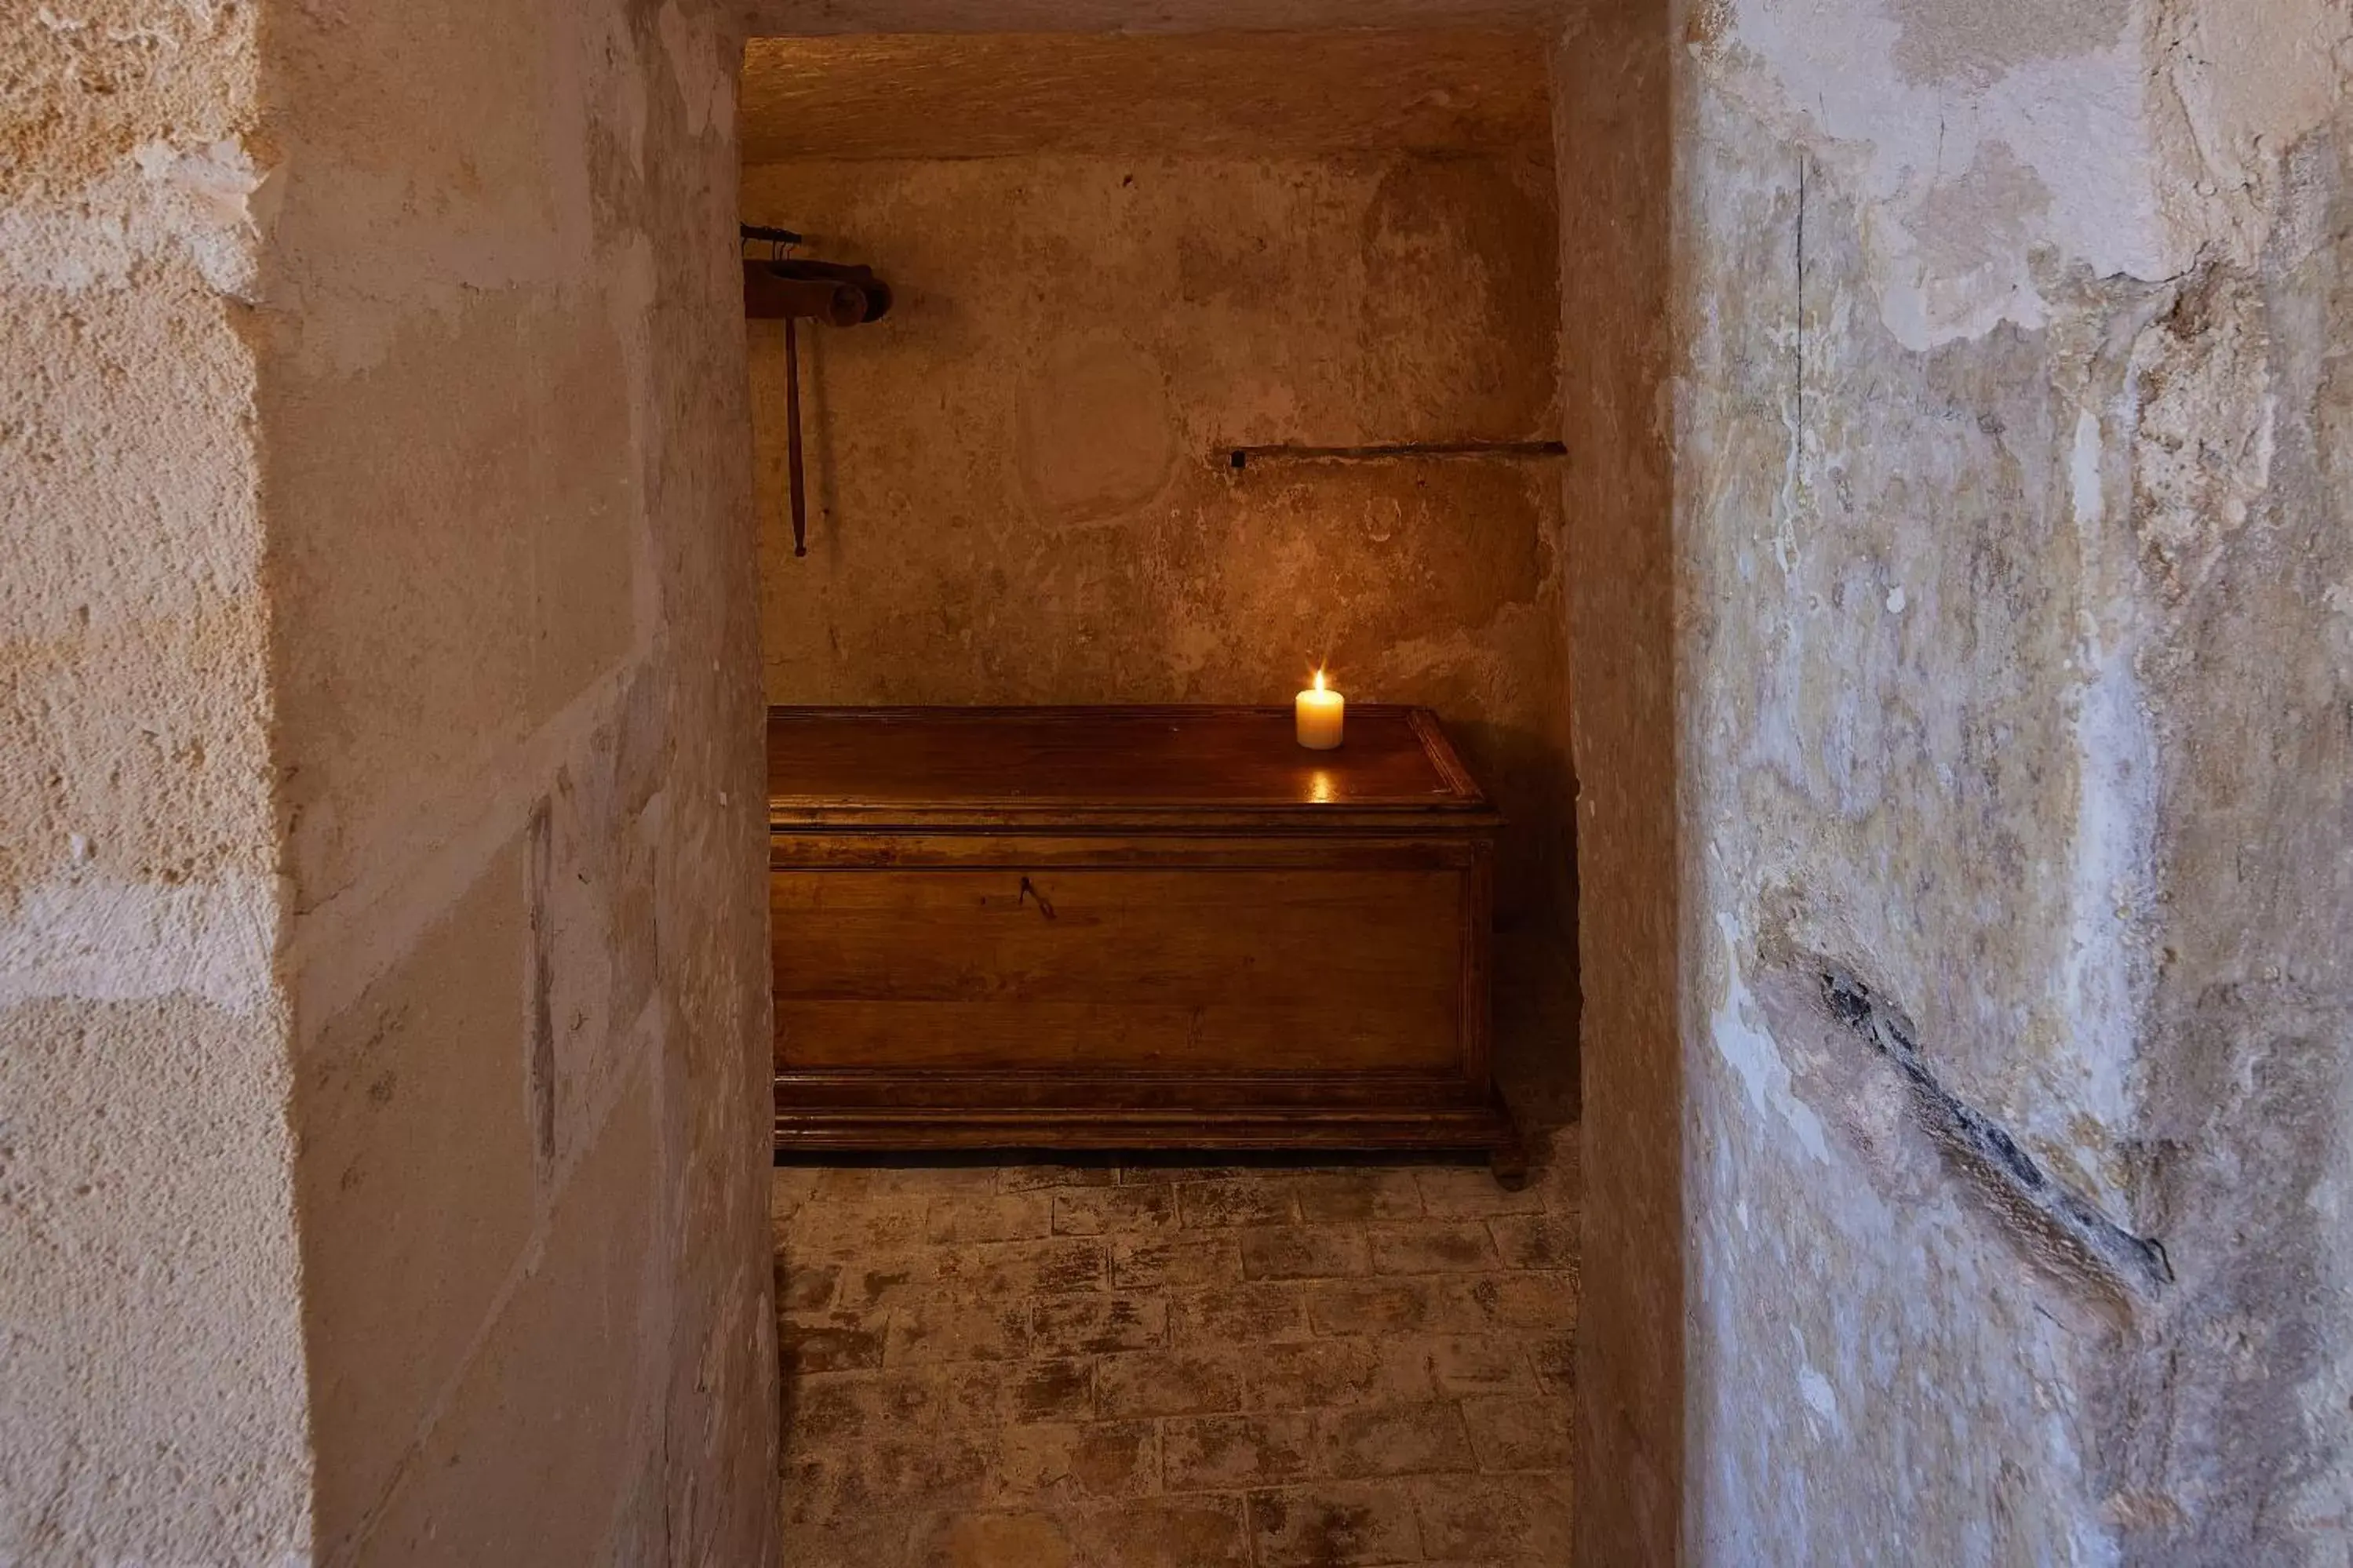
(938, 95)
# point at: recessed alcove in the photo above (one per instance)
(1115, 259)
(1210, 358)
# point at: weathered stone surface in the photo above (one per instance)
(1456, 1364)
(1242, 1314)
(1025, 1408)
(1241, 1200)
(1614, 126)
(472, 1489)
(157, 1407)
(1054, 519)
(1438, 1247)
(1393, 1440)
(1168, 1384)
(1518, 1434)
(1189, 93)
(1100, 1211)
(988, 1216)
(1166, 1533)
(1495, 1519)
(333, 292)
(1222, 1453)
(1156, 1264)
(1303, 1253)
(2010, 521)
(406, 1265)
(1334, 1522)
(1358, 1195)
(498, 360)
(1380, 1307)
(1062, 1462)
(1095, 1325)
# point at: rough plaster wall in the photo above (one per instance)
(1612, 128)
(1018, 492)
(1231, 94)
(151, 1348)
(2011, 490)
(502, 412)
(785, 18)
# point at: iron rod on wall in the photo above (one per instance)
(1243, 457)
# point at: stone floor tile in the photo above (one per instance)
(992, 1393)
(888, 1279)
(1183, 1171)
(1027, 1178)
(1013, 1364)
(1177, 1383)
(830, 1342)
(1457, 1364)
(850, 1186)
(1173, 1262)
(1104, 1211)
(847, 1232)
(1472, 1192)
(1342, 1197)
(1392, 1305)
(1393, 1440)
(1528, 1302)
(1554, 1358)
(1509, 1433)
(1330, 1524)
(1494, 1519)
(1431, 1247)
(1001, 1270)
(1026, 1539)
(1234, 1452)
(1302, 1252)
(948, 1330)
(1098, 1325)
(790, 1187)
(1068, 1462)
(865, 1541)
(1163, 1532)
(1535, 1240)
(910, 1470)
(827, 1412)
(1316, 1374)
(1242, 1314)
(805, 1287)
(1243, 1200)
(984, 1214)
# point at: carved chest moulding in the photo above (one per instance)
(1127, 928)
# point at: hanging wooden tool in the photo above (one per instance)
(782, 287)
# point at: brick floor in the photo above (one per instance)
(1082, 1366)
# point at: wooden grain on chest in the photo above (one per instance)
(1126, 928)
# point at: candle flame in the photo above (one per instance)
(1319, 680)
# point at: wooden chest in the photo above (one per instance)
(1122, 927)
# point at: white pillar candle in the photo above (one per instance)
(1319, 715)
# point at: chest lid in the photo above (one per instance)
(1102, 767)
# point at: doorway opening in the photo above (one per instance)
(1212, 359)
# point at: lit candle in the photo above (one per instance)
(1319, 715)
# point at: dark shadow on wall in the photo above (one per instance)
(1612, 125)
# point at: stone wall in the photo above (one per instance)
(381, 1164)
(1610, 84)
(151, 1339)
(2013, 512)
(502, 410)
(1018, 490)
